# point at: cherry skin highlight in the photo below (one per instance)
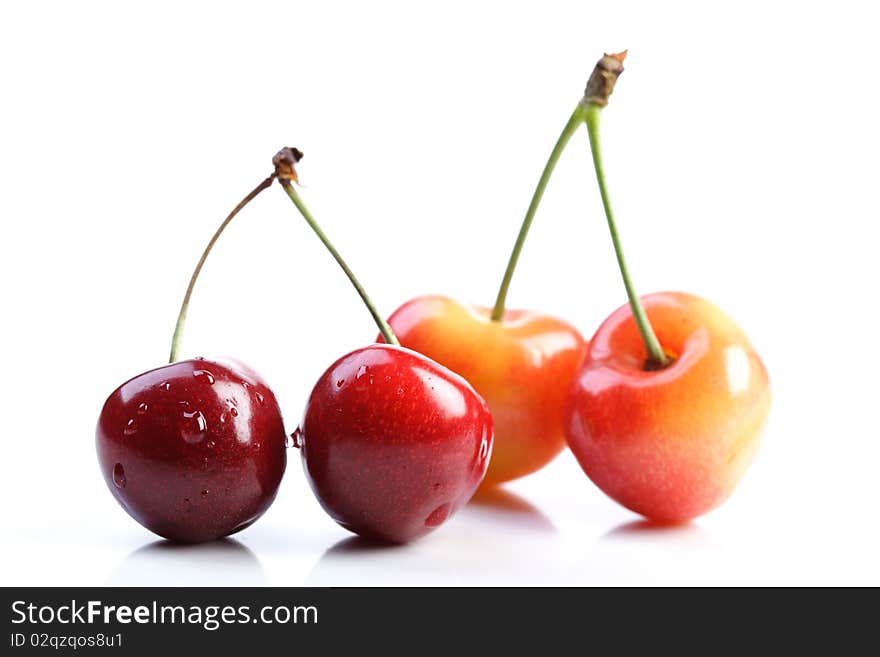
(194, 450)
(671, 443)
(522, 365)
(393, 444)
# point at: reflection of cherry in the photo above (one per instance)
(392, 442)
(666, 411)
(194, 450)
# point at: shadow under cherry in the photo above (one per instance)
(226, 562)
(509, 507)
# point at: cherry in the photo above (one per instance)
(522, 362)
(666, 412)
(668, 443)
(194, 450)
(392, 442)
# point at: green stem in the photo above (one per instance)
(181, 317)
(574, 122)
(656, 357)
(384, 328)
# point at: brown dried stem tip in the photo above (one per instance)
(602, 80)
(285, 163)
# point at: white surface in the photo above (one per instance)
(129, 130)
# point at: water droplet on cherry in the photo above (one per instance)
(119, 475)
(194, 428)
(260, 399)
(165, 386)
(233, 411)
(204, 493)
(438, 515)
(363, 377)
(339, 383)
(142, 408)
(131, 427)
(484, 449)
(204, 376)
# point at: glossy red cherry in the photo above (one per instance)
(194, 450)
(394, 443)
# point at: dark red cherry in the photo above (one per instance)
(394, 443)
(194, 450)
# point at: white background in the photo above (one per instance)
(742, 152)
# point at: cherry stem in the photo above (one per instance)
(184, 307)
(574, 122)
(384, 327)
(657, 359)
